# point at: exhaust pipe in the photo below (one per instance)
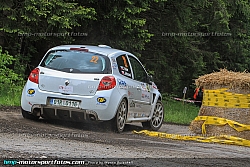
(36, 111)
(92, 117)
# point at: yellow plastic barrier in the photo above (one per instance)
(223, 139)
(222, 98)
(210, 120)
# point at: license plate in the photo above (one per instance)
(64, 103)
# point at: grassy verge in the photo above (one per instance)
(178, 112)
(10, 96)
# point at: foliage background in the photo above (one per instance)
(177, 41)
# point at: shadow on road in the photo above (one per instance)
(91, 126)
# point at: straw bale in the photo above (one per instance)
(241, 115)
(225, 78)
(236, 82)
(195, 127)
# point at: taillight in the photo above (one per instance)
(107, 82)
(34, 75)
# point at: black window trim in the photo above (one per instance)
(128, 56)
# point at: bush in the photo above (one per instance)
(7, 75)
(11, 83)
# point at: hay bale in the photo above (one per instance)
(195, 127)
(236, 83)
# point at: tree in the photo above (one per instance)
(30, 27)
(192, 38)
(119, 23)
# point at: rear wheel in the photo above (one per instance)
(27, 115)
(119, 121)
(157, 119)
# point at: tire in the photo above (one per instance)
(27, 115)
(156, 121)
(119, 121)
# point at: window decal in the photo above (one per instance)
(94, 59)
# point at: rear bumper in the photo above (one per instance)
(63, 113)
(89, 105)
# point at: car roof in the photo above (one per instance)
(101, 49)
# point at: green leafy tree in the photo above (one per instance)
(173, 52)
(192, 38)
(119, 23)
(30, 27)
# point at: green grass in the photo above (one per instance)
(178, 112)
(10, 96)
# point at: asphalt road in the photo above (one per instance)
(96, 145)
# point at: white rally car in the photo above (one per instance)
(82, 82)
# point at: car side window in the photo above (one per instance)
(123, 66)
(138, 70)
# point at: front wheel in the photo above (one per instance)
(156, 121)
(119, 121)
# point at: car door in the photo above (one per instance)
(126, 80)
(141, 88)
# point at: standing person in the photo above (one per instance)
(198, 96)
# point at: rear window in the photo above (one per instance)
(77, 62)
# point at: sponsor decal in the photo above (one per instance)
(130, 114)
(65, 89)
(132, 104)
(138, 106)
(154, 85)
(101, 100)
(122, 84)
(145, 95)
(114, 66)
(31, 92)
(143, 86)
(114, 63)
(113, 60)
(137, 115)
(130, 94)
